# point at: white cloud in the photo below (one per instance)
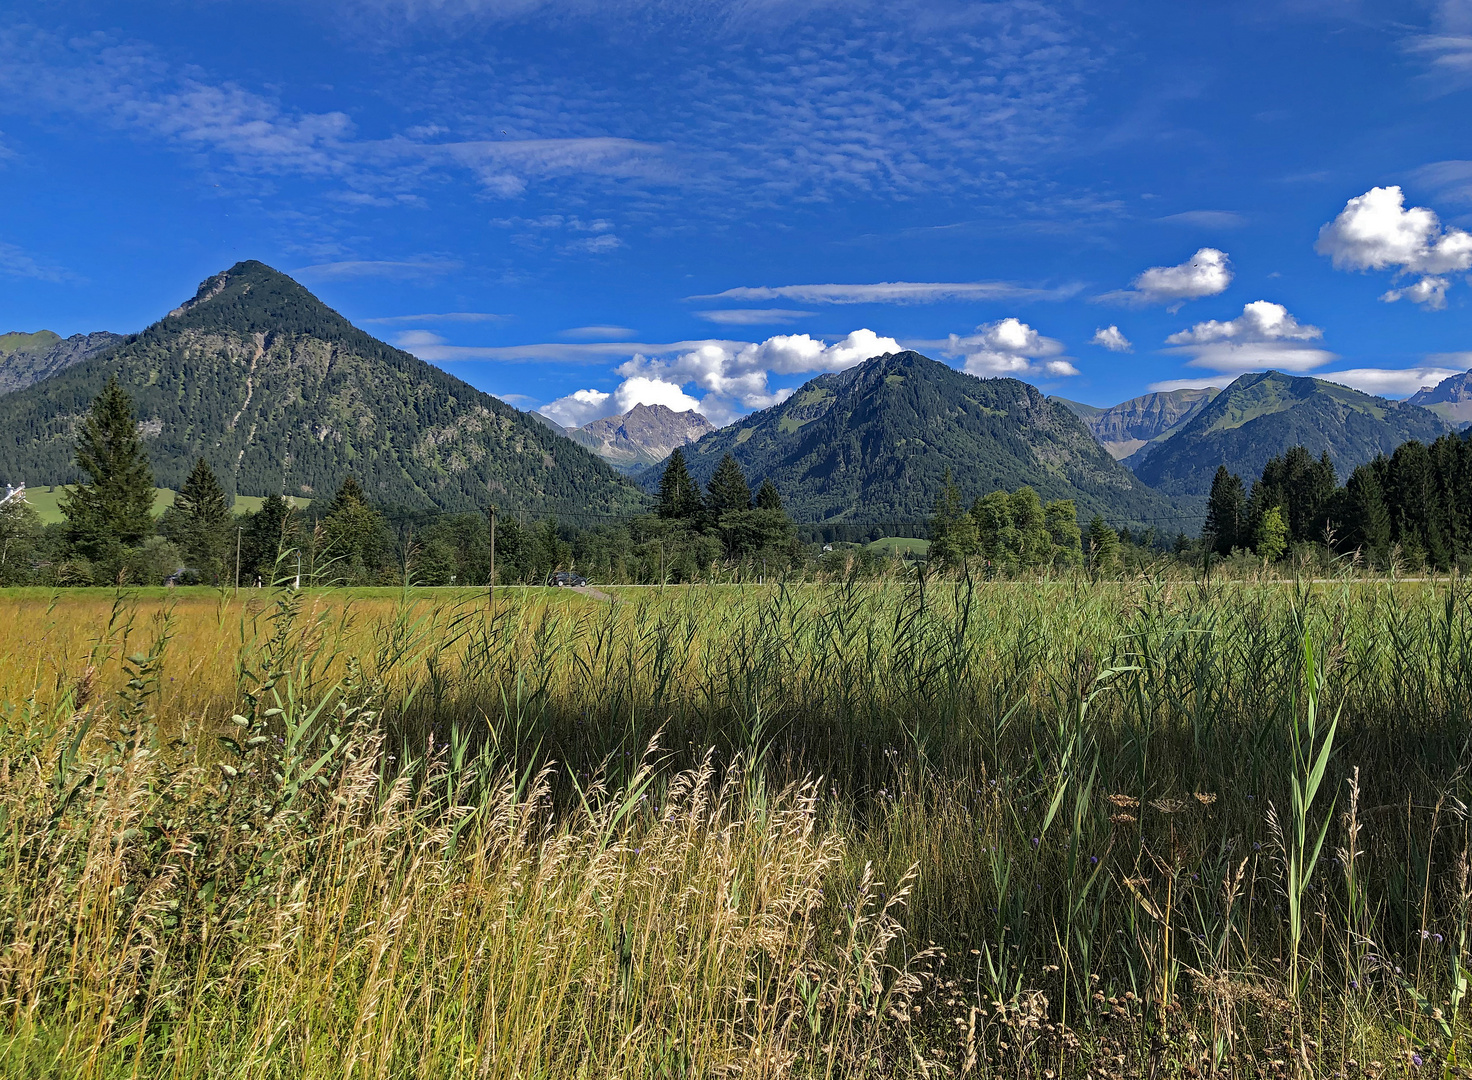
(1451, 179)
(448, 316)
(1375, 231)
(1389, 382)
(1462, 361)
(735, 375)
(1206, 273)
(1207, 219)
(893, 292)
(585, 406)
(411, 340)
(16, 262)
(1166, 385)
(1265, 335)
(379, 268)
(752, 316)
(607, 333)
(1009, 347)
(579, 408)
(563, 352)
(1449, 46)
(1109, 337)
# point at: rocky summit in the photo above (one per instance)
(643, 436)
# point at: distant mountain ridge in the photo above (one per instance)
(282, 394)
(873, 444)
(1450, 399)
(29, 358)
(1127, 428)
(641, 437)
(1264, 414)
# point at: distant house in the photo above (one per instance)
(14, 492)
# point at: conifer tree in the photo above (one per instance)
(204, 521)
(115, 506)
(679, 498)
(727, 491)
(355, 534)
(1368, 519)
(1225, 510)
(767, 497)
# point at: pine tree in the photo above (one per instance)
(204, 521)
(679, 498)
(727, 491)
(1367, 518)
(116, 507)
(767, 497)
(1225, 509)
(269, 532)
(355, 535)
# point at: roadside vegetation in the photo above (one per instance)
(930, 827)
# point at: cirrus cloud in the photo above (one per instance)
(894, 292)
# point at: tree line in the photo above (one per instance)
(110, 533)
(1411, 508)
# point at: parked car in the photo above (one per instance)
(566, 579)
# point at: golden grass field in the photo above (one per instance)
(1063, 828)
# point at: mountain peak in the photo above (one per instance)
(1450, 399)
(1262, 414)
(252, 297)
(873, 443)
(643, 436)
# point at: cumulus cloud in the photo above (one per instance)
(893, 292)
(1375, 231)
(1389, 382)
(585, 406)
(1109, 337)
(736, 375)
(1206, 273)
(1265, 335)
(1009, 347)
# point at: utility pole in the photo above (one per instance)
(239, 529)
(491, 598)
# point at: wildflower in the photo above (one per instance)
(1417, 1061)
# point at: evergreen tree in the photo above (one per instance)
(270, 531)
(1271, 539)
(115, 507)
(203, 522)
(1367, 518)
(355, 536)
(1225, 510)
(1104, 551)
(727, 491)
(679, 498)
(767, 497)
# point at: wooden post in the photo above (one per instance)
(491, 598)
(238, 530)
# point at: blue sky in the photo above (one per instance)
(581, 205)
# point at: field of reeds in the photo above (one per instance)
(923, 828)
